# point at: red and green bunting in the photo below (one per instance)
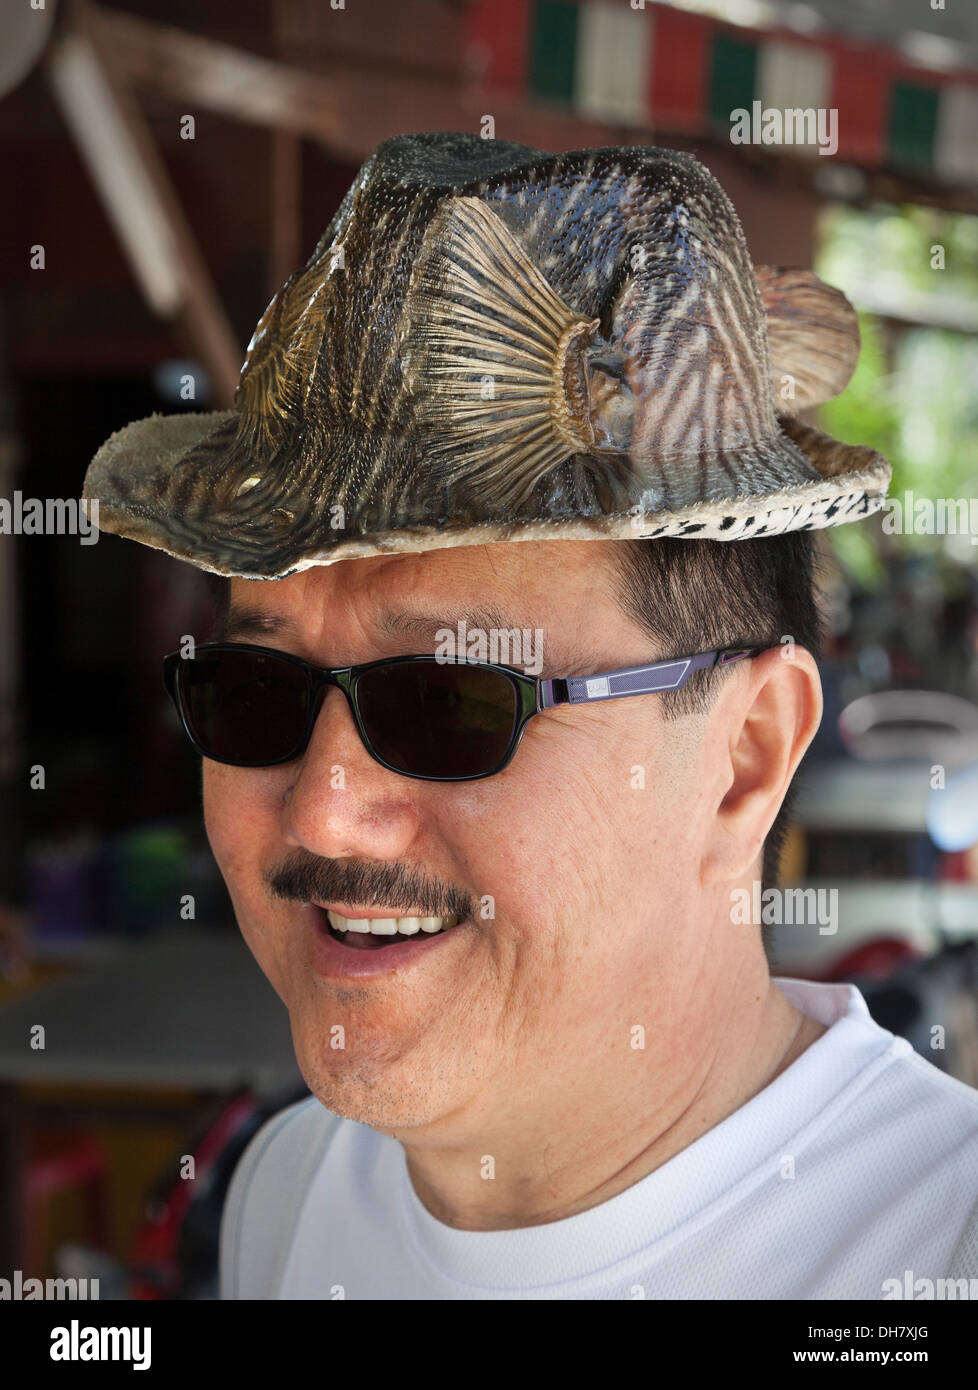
(673, 70)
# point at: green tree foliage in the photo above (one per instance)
(914, 395)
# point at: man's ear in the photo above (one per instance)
(767, 721)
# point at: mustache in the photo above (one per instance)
(303, 877)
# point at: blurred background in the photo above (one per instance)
(164, 167)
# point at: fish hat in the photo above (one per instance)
(492, 343)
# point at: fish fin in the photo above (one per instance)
(495, 358)
(813, 337)
(279, 367)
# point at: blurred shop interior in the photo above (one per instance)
(175, 161)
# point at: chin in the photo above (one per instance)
(382, 1092)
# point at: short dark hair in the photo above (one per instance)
(698, 595)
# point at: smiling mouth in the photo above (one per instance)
(374, 933)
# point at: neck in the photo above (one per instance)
(629, 1113)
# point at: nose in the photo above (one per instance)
(342, 803)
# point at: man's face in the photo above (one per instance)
(581, 858)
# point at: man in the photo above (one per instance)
(492, 885)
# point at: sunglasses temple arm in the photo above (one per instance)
(631, 680)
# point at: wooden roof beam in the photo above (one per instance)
(142, 204)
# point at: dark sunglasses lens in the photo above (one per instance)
(243, 707)
(436, 719)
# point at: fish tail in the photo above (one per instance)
(495, 357)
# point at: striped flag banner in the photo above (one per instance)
(956, 133)
(646, 65)
(613, 53)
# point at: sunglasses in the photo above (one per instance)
(435, 718)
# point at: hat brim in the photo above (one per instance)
(138, 476)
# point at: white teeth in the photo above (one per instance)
(383, 926)
(390, 926)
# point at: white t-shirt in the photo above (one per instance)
(857, 1164)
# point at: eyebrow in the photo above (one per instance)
(397, 623)
(254, 622)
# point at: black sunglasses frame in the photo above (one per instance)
(532, 694)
